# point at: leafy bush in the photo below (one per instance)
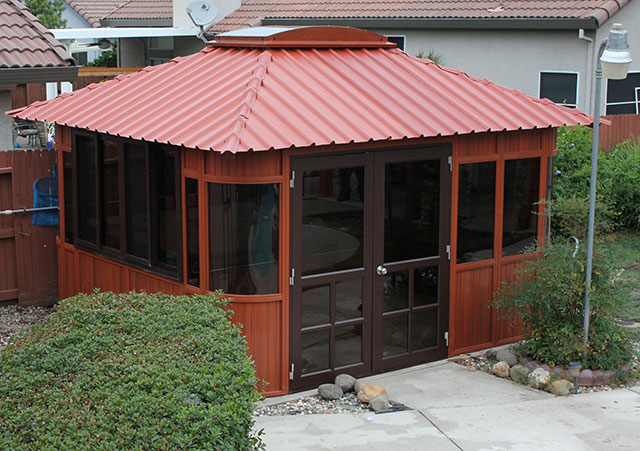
(570, 217)
(130, 371)
(547, 295)
(619, 182)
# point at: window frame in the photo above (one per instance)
(577, 74)
(635, 102)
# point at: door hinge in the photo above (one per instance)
(292, 276)
(446, 339)
(448, 252)
(291, 372)
(292, 179)
(450, 161)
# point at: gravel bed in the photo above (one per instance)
(14, 318)
(314, 405)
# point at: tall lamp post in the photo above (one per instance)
(614, 60)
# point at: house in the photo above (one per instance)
(29, 54)
(359, 205)
(544, 49)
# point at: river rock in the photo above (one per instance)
(330, 392)
(370, 392)
(379, 403)
(520, 374)
(345, 382)
(561, 387)
(506, 355)
(490, 354)
(538, 378)
(359, 385)
(500, 369)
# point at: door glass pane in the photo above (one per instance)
(168, 237)
(425, 329)
(395, 333)
(396, 291)
(67, 161)
(521, 191)
(315, 351)
(111, 194)
(348, 299)
(135, 179)
(332, 220)
(411, 209)
(476, 204)
(425, 286)
(193, 228)
(348, 345)
(86, 184)
(243, 230)
(316, 304)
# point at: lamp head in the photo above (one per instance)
(616, 57)
(574, 369)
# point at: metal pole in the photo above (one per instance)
(26, 210)
(592, 194)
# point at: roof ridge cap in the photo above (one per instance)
(249, 97)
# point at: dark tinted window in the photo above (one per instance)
(111, 194)
(67, 161)
(559, 87)
(399, 40)
(623, 96)
(476, 206)
(135, 163)
(193, 242)
(166, 203)
(86, 183)
(521, 191)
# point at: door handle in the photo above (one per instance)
(381, 270)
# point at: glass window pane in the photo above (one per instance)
(625, 108)
(85, 150)
(559, 87)
(411, 208)
(193, 227)
(396, 291)
(425, 329)
(135, 178)
(166, 193)
(425, 286)
(521, 191)
(315, 351)
(332, 220)
(476, 204)
(395, 333)
(348, 345)
(348, 299)
(111, 194)
(243, 227)
(67, 161)
(623, 90)
(316, 305)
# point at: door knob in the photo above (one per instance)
(381, 270)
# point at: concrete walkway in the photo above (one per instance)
(457, 408)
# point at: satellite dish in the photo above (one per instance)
(202, 13)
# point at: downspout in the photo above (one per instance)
(590, 68)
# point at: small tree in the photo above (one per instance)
(49, 12)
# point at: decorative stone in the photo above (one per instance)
(490, 354)
(506, 355)
(519, 374)
(586, 377)
(345, 382)
(561, 387)
(330, 391)
(379, 403)
(538, 378)
(370, 392)
(359, 385)
(500, 369)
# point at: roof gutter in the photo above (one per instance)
(443, 23)
(12, 75)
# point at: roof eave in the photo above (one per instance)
(13, 75)
(136, 22)
(440, 23)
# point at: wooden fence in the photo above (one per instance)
(623, 127)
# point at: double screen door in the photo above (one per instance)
(370, 267)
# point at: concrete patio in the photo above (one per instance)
(457, 408)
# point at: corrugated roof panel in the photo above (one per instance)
(240, 99)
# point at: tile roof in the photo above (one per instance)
(238, 99)
(253, 11)
(94, 10)
(25, 42)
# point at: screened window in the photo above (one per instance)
(521, 192)
(559, 87)
(166, 204)
(67, 162)
(193, 229)
(623, 96)
(111, 194)
(136, 214)
(86, 188)
(244, 240)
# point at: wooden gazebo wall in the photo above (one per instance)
(266, 317)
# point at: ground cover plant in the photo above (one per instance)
(130, 371)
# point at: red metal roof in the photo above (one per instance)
(238, 99)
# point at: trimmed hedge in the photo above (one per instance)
(129, 371)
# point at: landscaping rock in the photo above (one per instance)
(506, 355)
(500, 369)
(330, 391)
(586, 377)
(538, 378)
(370, 392)
(359, 385)
(345, 382)
(561, 387)
(379, 403)
(490, 354)
(520, 374)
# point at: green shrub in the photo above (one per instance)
(130, 371)
(548, 296)
(573, 162)
(570, 217)
(619, 182)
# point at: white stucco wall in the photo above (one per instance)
(6, 134)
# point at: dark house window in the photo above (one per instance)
(560, 87)
(128, 201)
(399, 40)
(623, 96)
